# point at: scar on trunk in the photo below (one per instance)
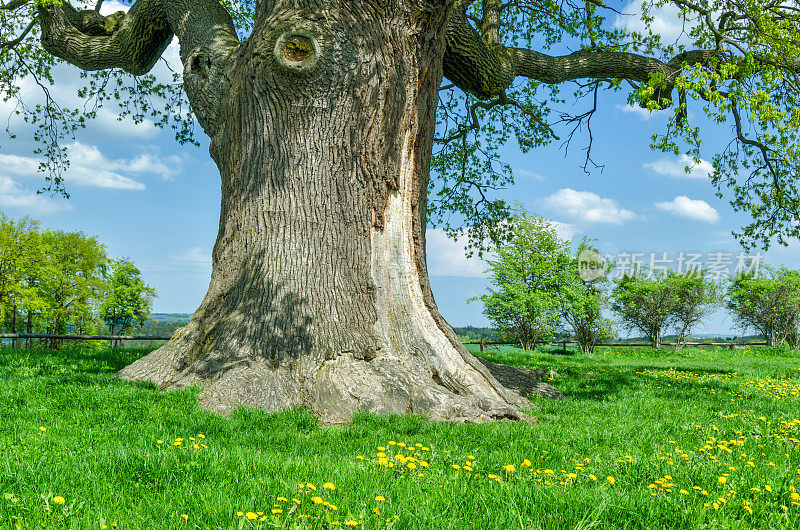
(297, 50)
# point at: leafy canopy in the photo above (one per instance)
(747, 83)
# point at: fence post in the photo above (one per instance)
(483, 343)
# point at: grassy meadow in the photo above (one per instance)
(645, 439)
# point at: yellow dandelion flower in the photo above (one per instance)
(311, 487)
(684, 492)
(722, 480)
(611, 480)
(191, 439)
(359, 457)
(350, 522)
(392, 442)
(332, 507)
(767, 487)
(592, 477)
(401, 444)
(417, 445)
(456, 466)
(381, 448)
(296, 501)
(159, 442)
(283, 499)
(470, 457)
(43, 429)
(185, 517)
(178, 439)
(201, 436)
(176, 442)
(509, 468)
(239, 514)
(525, 463)
(316, 500)
(276, 511)
(748, 509)
(329, 486)
(251, 515)
(380, 498)
(196, 446)
(58, 499)
(411, 465)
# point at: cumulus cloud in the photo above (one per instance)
(588, 207)
(90, 167)
(667, 22)
(447, 257)
(694, 209)
(677, 168)
(636, 110)
(13, 195)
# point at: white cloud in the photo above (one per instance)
(677, 168)
(90, 167)
(12, 195)
(667, 22)
(565, 231)
(694, 209)
(447, 257)
(588, 207)
(636, 110)
(529, 174)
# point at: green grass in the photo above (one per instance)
(633, 414)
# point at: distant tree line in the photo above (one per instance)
(537, 290)
(56, 282)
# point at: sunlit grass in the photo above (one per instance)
(645, 439)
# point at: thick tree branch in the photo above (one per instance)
(133, 41)
(486, 70)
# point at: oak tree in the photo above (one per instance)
(322, 116)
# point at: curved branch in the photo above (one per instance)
(83, 39)
(133, 41)
(487, 71)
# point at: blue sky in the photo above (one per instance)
(152, 200)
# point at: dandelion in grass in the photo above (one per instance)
(509, 468)
(611, 480)
(251, 515)
(350, 522)
(43, 429)
(185, 517)
(58, 499)
(329, 486)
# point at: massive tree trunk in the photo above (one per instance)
(321, 124)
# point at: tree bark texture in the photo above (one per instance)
(322, 124)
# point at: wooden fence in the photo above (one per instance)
(119, 339)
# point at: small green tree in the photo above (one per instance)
(526, 277)
(695, 296)
(72, 280)
(582, 304)
(645, 303)
(768, 302)
(128, 300)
